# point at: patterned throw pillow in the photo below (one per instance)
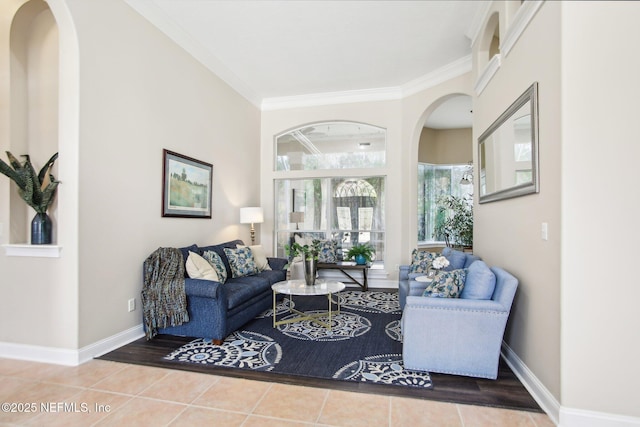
(214, 259)
(241, 262)
(328, 251)
(259, 256)
(446, 284)
(421, 261)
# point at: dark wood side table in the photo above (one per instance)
(347, 269)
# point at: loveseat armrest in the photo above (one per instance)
(403, 272)
(202, 288)
(277, 263)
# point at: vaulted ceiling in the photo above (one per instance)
(271, 50)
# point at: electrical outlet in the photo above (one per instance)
(132, 304)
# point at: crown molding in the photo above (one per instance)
(157, 17)
(449, 71)
(330, 98)
(521, 20)
(442, 74)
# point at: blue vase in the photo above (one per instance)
(361, 260)
(41, 229)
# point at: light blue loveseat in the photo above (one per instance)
(459, 336)
(408, 286)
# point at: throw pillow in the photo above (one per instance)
(259, 256)
(241, 261)
(199, 268)
(328, 251)
(218, 265)
(481, 282)
(421, 261)
(456, 258)
(446, 284)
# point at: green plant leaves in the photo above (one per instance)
(37, 190)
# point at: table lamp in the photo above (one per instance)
(252, 215)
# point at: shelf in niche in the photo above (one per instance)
(35, 251)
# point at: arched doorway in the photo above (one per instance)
(445, 154)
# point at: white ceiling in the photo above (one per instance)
(271, 50)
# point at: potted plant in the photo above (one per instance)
(361, 253)
(37, 190)
(455, 222)
(309, 255)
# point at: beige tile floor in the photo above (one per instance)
(103, 393)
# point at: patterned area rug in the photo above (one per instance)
(364, 343)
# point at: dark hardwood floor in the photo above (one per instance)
(505, 392)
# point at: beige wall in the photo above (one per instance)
(139, 93)
(600, 151)
(445, 146)
(507, 233)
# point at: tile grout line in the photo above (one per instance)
(324, 403)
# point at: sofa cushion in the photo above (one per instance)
(446, 284)
(199, 268)
(481, 282)
(241, 261)
(216, 262)
(456, 258)
(259, 256)
(241, 289)
(421, 261)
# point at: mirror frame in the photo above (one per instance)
(530, 96)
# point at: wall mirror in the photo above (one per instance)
(508, 151)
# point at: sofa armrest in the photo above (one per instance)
(202, 288)
(277, 263)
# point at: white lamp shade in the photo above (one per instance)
(296, 217)
(252, 215)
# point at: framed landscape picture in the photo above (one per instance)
(186, 186)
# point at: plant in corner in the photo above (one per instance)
(455, 222)
(361, 253)
(37, 190)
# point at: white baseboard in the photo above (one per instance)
(538, 391)
(61, 356)
(570, 417)
(561, 415)
(111, 343)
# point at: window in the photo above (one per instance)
(332, 204)
(331, 145)
(435, 181)
(349, 210)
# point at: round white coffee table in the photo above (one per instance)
(299, 288)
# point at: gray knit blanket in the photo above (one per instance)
(164, 302)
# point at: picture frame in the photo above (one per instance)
(186, 186)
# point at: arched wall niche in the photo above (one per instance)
(489, 41)
(33, 101)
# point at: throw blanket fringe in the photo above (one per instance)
(164, 301)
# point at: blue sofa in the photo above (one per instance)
(216, 309)
(408, 286)
(459, 336)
